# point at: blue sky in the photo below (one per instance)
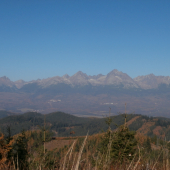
(46, 38)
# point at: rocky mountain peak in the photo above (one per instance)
(151, 81)
(79, 78)
(6, 81)
(96, 76)
(4, 78)
(19, 83)
(80, 75)
(66, 76)
(117, 77)
(114, 72)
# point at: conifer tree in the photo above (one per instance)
(20, 152)
(122, 143)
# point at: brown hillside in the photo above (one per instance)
(145, 128)
(157, 130)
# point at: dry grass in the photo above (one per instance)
(140, 160)
(58, 144)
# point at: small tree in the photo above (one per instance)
(123, 145)
(119, 145)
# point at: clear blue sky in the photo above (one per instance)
(46, 38)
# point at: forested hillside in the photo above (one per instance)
(62, 124)
(4, 113)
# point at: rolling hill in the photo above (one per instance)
(4, 113)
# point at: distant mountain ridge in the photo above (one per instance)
(82, 94)
(151, 81)
(114, 77)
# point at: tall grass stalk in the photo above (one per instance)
(138, 160)
(80, 153)
(70, 149)
(74, 161)
(156, 160)
(131, 162)
(107, 161)
(72, 146)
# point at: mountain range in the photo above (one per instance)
(114, 77)
(82, 94)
